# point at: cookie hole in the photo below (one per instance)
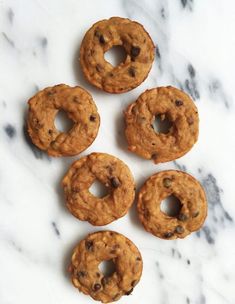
(171, 206)
(161, 124)
(62, 122)
(107, 268)
(115, 55)
(98, 189)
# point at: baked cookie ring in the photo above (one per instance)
(138, 46)
(81, 110)
(103, 246)
(166, 102)
(112, 173)
(190, 193)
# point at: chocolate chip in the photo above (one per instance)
(179, 103)
(167, 182)
(195, 214)
(98, 68)
(76, 99)
(131, 71)
(154, 156)
(81, 274)
(115, 182)
(111, 75)
(104, 281)
(89, 245)
(101, 39)
(182, 217)
(179, 229)
(97, 274)
(138, 259)
(92, 118)
(96, 287)
(190, 120)
(135, 50)
(50, 131)
(153, 144)
(168, 235)
(152, 127)
(97, 33)
(129, 292)
(133, 283)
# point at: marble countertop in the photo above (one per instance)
(39, 43)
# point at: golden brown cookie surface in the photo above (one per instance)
(193, 204)
(98, 247)
(81, 110)
(112, 173)
(101, 37)
(170, 103)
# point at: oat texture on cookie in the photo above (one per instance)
(106, 34)
(102, 246)
(169, 103)
(187, 189)
(80, 109)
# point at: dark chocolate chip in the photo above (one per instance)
(153, 144)
(168, 235)
(89, 245)
(97, 33)
(179, 103)
(196, 214)
(190, 120)
(96, 287)
(76, 99)
(81, 274)
(104, 281)
(111, 75)
(154, 156)
(179, 229)
(98, 68)
(115, 182)
(50, 131)
(111, 233)
(133, 283)
(138, 259)
(135, 50)
(131, 71)
(167, 182)
(101, 39)
(182, 217)
(129, 292)
(92, 118)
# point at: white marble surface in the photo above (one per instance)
(39, 43)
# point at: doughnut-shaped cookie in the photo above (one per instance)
(111, 172)
(193, 204)
(103, 246)
(101, 37)
(170, 103)
(80, 108)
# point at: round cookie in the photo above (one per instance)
(81, 110)
(111, 172)
(167, 102)
(103, 246)
(138, 46)
(187, 189)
